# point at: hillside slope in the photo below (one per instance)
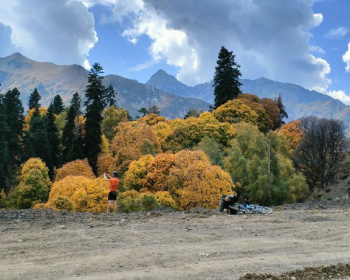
(50, 79)
(299, 101)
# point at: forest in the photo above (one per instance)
(55, 157)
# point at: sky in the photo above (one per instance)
(304, 42)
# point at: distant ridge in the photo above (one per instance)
(299, 101)
(50, 79)
(173, 98)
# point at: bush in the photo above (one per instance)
(75, 168)
(149, 202)
(83, 194)
(165, 199)
(33, 187)
(62, 203)
(129, 201)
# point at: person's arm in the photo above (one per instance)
(106, 176)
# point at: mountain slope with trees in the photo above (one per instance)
(50, 79)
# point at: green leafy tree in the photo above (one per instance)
(261, 166)
(33, 187)
(95, 103)
(58, 105)
(192, 113)
(34, 100)
(226, 79)
(112, 116)
(212, 149)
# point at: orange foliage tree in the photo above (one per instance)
(196, 182)
(105, 163)
(293, 131)
(80, 194)
(75, 168)
(187, 179)
(133, 139)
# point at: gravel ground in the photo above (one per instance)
(299, 241)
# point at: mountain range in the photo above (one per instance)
(173, 98)
(18, 71)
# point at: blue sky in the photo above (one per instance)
(305, 42)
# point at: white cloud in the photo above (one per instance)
(346, 59)
(317, 49)
(337, 33)
(318, 18)
(60, 31)
(340, 95)
(269, 38)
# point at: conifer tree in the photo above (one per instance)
(226, 79)
(283, 113)
(95, 103)
(57, 104)
(3, 146)
(13, 111)
(34, 99)
(71, 136)
(53, 141)
(36, 141)
(110, 96)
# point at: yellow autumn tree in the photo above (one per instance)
(196, 182)
(28, 117)
(105, 163)
(80, 194)
(135, 176)
(157, 177)
(33, 187)
(75, 168)
(186, 134)
(133, 139)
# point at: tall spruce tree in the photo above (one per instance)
(71, 136)
(53, 141)
(13, 109)
(110, 96)
(3, 146)
(57, 104)
(36, 142)
(283, 113)
(95, 103)
(226, 79)
(34, 99)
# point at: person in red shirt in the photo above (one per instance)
(113, 190)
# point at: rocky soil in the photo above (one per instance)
(299, 241)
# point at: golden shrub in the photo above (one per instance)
(75, 168)
(82, 193)
(197, 182)
(135, 176)
(165, 199)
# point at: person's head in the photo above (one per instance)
(115, 174)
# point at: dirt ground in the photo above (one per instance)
(162, 244)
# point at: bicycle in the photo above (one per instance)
(250, 208)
